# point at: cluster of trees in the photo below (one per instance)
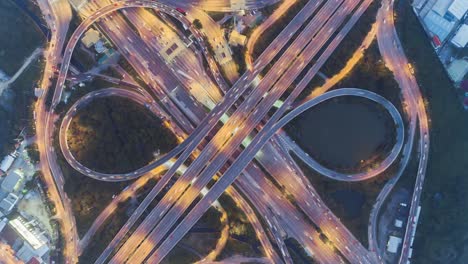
(197, 23)
(242, 235)
(33, 153)
(18, 113)
(115, 135)
(84, 59)
(269, 35)
(441, 233)
(297, 252)
(372, 74)
(238, 54)
(352, 41)
(104, 236)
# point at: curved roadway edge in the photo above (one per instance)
(360, 176)
(229, 5)
(66, 63)
(57, 15)
(132, 95)
(277, 14)
(396, 61)
(74, 39)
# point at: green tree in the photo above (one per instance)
(197, 24)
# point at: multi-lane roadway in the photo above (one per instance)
(317, 40)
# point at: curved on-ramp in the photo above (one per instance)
(132, 95)
(358, 93)
(140, 99)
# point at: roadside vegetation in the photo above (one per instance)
(115, 135)
(441, 234)
(17, 107)
(200, 240)
(242, 238)
(356, 134)
(19, 38)
(238, 55)
(297, 252)
(352, 41)
(352, 201)
(269, 35)
(16, 102)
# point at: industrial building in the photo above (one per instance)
(11, 182)
(6, 163)
(441, 18)
(393, 244)
(457, 69)
(8, 203)
(34, 241)
(90, 38)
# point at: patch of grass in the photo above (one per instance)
(19, 37)
(441, 234)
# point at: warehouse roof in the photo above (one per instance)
(438, 25)
(461, 38)
(458, 8)
(457, 69)
(10, 181)
(441, 6)
(6, 163)
(393, 244)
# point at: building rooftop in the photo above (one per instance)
(398, 223)
(438, 25)
(11, 181)
(235, 38)
(6, 163)
(441, 6)
(77, 4)
(3, 224)
(9, 202)
(393, 244)
(28, 233)
(458, 8)
(457, 70)
(461, 38)
(90, 38)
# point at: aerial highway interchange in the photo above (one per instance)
(239, 141)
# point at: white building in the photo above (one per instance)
(461, 38)
(438, 25)
(458, 8)
(393, 244)
(11, 182)
(457, 69)
(6, 163)
(398, 223)
(9, 202)
(35, 243)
